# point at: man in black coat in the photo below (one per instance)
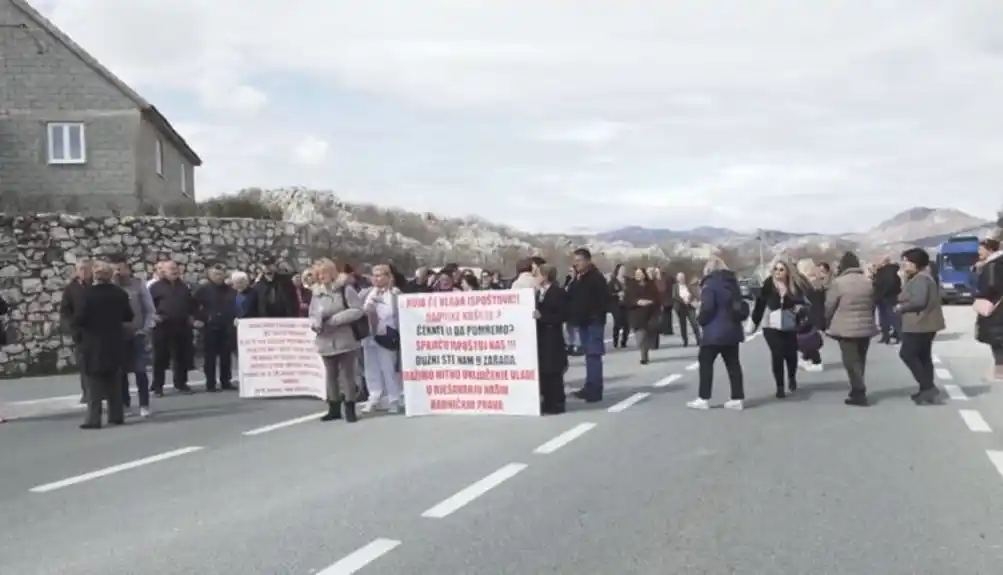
(172, 338)
(887, 287)
(588, 303)
(100, 322)
(72, 299)
(217, 310)
(274, 292)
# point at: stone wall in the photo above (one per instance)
(38, 253)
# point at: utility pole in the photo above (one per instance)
(762, 253)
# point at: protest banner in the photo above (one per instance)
(277, 357)
(469, 353)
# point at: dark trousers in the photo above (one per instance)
(647, 339)
(217, 342)
(891, 322)
(997, 355)
(80, 366)
(172, 346)
(917, 354)
(783, 354)
(620, 328)
(688, 317)
(814, 357)
(854, 352)
(729, 353)
(552, 389)
(667, 321)
(137, 353)
(104, 387)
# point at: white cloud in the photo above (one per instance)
(311, 152)
(722, 112)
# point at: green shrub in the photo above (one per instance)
(239, 207)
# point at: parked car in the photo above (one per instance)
(750, 287)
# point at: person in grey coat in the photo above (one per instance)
(335, 309)
(919, 306)
(849, 314)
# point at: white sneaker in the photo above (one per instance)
(144, 412)
(394, 408)
(698, 404)
(734, 404)
(816, 367)
(367, 407)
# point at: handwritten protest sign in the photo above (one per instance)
(469, 353)
(278, 358)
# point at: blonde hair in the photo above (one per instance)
(796, 281)
(385, 270)
(806, 267)
(714, 264)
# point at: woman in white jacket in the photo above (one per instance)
(381, 350)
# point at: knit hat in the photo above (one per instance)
(849, 260)
(917, 256)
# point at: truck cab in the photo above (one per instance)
(956, 269)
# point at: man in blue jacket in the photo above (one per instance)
(588, 302)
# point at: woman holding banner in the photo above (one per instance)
(551, 313)
(382, 348)
(335, 310)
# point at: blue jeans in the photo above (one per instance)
(572, 335)
(891, 322)
(592, 340)
(136, 346)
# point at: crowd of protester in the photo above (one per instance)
(122, 325)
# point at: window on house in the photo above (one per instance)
(160, 158)
(67, 143)
(184, 180)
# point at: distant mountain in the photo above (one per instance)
(922, 223)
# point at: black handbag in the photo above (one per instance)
(390, 340)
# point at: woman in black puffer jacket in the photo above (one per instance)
(989, 286)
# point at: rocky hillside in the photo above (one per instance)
(433, 239)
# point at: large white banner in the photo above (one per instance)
(469, 353)
(277, 357)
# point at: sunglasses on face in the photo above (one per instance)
(780, 269)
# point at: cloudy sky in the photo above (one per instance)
(579, 114)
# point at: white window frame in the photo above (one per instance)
(51, 128)
(159, 152)
(184, 180)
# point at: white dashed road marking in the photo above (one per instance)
(466, 495)
(997, 458)
(955, 392)
(936, 359)
(114, 469)
(667, 381)
(623, 405)
(943, 374)
(975, 421)
(693, 366)
(287, 423)
(564, 438)
(361, 557)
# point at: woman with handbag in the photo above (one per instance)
(382, 348)
(642, 301)
(989, 293)
(779, 309)
(810, 334)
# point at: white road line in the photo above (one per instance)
(466, 495)
(76, 396)
(997, 458)
(114, 469)
(935, 359)
(975, 421)
(943, 374)
(361, 557)
(564, 438)
(955, 392)
(623, 405)
(287, 423)
(693, 366)
(667, 381)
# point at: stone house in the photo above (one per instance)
(75, 138)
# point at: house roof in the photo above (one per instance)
(149, 111)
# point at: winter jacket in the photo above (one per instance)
(332, 319)
(718, 292)
(849, 306)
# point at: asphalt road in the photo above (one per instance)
(637, 484)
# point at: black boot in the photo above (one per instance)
(927, 397)
(350, 416)
(333, 411)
